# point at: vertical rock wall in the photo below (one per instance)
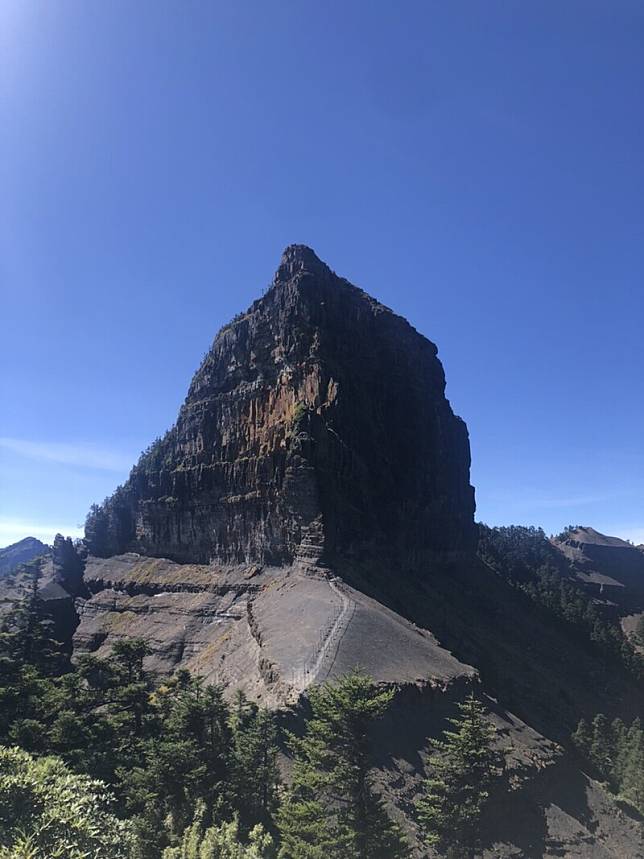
(316, 425)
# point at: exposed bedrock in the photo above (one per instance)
(316, 425)
(271, 632)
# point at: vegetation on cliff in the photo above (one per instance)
(525, 558)
(331, 809)
(616, 753)
(464, 769)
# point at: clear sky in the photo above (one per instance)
(477, 166)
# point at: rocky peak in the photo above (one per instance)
(316, 426)
(67, 565)
(298, 259)
(584, 535)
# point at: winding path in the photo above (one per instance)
(331, 643)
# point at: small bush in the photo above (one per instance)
(48, 811)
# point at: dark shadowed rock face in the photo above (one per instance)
(317, 426)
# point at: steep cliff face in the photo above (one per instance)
(316, 427)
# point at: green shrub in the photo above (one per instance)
(220, 842)
(48, 811)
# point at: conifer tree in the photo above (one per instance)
(331, 810)
(617, 754)
(601, 750)
(29, 660)
(187, 758)
(583, 737)
(25, 638)
(255, 774)
(632, 776)
(618, 735)
(463, 769)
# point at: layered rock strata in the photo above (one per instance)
(271, 632)
(317, 425)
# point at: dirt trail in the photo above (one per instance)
(318, 666)
(329, 649)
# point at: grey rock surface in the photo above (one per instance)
(271, 632)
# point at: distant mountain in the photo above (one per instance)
(60, 580)
(609, 566)
(21, 553)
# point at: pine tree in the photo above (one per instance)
(632, 781)
(219, 841)
(601, 750)
(618, 736)
(331, 810)
(186, 758)
(97, 530)
(29, 661)
(463, 769)
(25, 638)
(255, 773)
(617, 752)
(583, 737)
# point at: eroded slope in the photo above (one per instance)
(270, 631)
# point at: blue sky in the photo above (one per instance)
(477, 166)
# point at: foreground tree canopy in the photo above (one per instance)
(47, 810)
(99, 761)
(616, 752)
(331, 810)
(463, 770)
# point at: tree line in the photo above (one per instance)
(527, 560)
(615, 751)
(97, 760)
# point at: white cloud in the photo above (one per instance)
(83, 455)
(13, 530)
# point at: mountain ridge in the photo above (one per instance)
(20, 552)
